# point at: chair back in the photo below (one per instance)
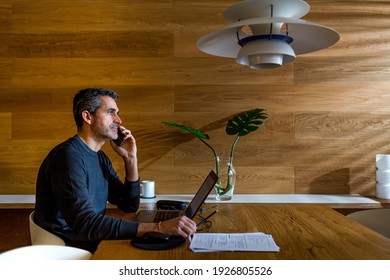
(375, 219)
(40, 236)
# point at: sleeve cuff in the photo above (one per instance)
(133, 187)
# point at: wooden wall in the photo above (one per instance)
(328, 110)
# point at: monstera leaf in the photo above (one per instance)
(246, 122)
(197, 132)
(186, 129)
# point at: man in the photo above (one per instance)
(76, 180)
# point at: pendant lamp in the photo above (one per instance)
(265, 34)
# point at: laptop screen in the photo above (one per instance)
(201, 195)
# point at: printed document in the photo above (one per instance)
(214, 242)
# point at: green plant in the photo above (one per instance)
(241, 124)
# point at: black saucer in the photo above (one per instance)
(172, 242)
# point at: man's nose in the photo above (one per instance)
(117, 119)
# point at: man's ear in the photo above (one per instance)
(86, 116)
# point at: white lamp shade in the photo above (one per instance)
(265, 54)
(307, 36)
(259, 18)
(255, 9)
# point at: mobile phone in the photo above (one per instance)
(119, 141)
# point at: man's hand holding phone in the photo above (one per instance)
(125, 144)
(121, 137)
(127, 149)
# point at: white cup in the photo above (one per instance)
(383, 191)
(148, 189)
(382, 161)
(383, 177)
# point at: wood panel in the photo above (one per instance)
(5, 15)
(341, 69)
(137, 71)
(341, 125)
(328, 109)
(5, 70)
(18, 180)
(5, 124)
(64, 15)
(142, 98)
(88, 44)
(359, 97)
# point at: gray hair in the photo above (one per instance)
(89, 99)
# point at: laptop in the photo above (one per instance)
(150, 216)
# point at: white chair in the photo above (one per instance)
(375, 219)
(46, 252)
(40, 236)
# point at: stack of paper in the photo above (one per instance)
(214, 242)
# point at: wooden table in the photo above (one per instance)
(302, 231)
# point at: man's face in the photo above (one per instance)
(105, 121)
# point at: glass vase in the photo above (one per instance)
(224, 188)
